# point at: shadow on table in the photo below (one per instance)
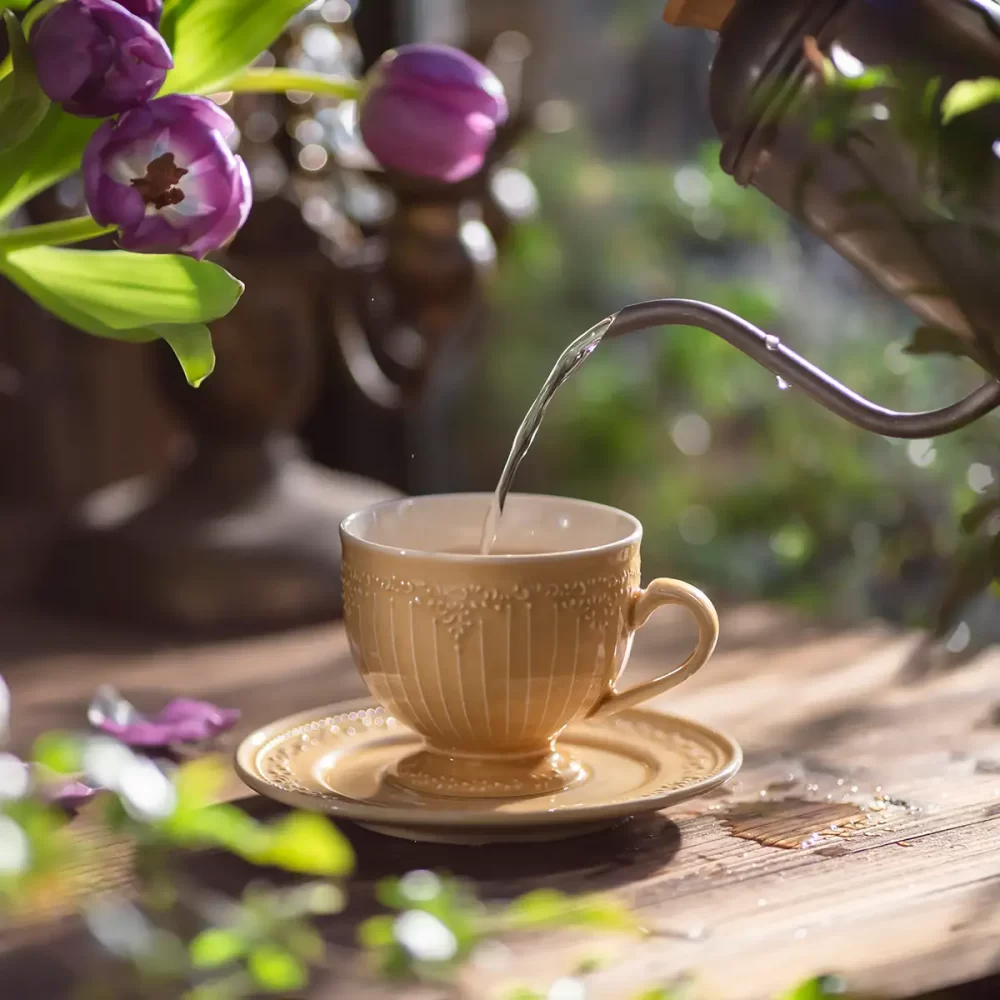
(611, 859)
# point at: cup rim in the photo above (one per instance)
(632, 538)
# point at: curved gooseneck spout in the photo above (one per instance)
(769, 351)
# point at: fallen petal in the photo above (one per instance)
(69, 795)
(182, 720)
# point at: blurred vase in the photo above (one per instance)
(241, 536)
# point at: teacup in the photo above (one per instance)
(490, 657)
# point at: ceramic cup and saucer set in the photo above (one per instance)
(498, 710)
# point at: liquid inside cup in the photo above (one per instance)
(498, 550)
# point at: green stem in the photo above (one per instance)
(39, 10)
(51, 234)
(280, 80)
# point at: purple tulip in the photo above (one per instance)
(165, 177)
(182, 720)
(431, 111)
(97, 58)
(149, 10)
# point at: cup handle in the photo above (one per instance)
(644, 602)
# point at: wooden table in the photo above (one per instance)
(904, 901)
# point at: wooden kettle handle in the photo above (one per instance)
(710, 14)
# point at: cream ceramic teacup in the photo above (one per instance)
(490, 657)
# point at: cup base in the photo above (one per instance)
(435, 772)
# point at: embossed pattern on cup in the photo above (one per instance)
(489, 658)
(486, 658)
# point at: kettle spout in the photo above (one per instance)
(782, 361)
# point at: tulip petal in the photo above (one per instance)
(182, 720)
(166, 177)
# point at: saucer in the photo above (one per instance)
(339, 759)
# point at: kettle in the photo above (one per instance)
(916, 209)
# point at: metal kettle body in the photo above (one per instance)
(917, 210)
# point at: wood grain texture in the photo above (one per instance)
(906, 900)
(709, 14)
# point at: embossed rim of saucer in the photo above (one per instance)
(309, 725)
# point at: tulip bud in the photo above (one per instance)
(97, 58)
(431, 111)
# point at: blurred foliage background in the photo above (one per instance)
(745, 489)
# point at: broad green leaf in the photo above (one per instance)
(59, 752)
(172, 9)
(310, 844)
(192, 345)
(276, 970)
(216, 947)
(305, 941)
(974, 518)
(551, 908)
(969, 95)
(68, 311)
(198, 783)
(51, 153)
(226, 826)
(22, 103)
(415, 890)
(817, 989)
(523, 993)
(125, 290)
(319, 898)
(214, 39)
(377, 932)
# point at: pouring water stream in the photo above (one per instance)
(568, 362)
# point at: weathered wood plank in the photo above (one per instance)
(906, 899)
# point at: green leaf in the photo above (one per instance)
(59, 752)
(377, 932)
(192, 344)
(305, 942)
(310, 844)
(551, 908)
(817, 989)
(68, 311)
(198, 783)
(22, 102)
(657, 993)
(416, 890)
(319, 899)
(969, 95)
(523, 993)
(276, 970)
(51, 153)
(125, 290)
(215, 39)
(225, 825)
(974, 518)
(216, 947)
